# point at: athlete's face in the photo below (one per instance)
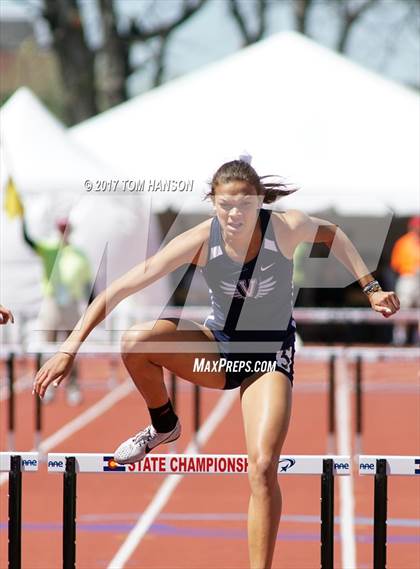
(237, 205)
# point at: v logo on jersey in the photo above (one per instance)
(246, 288)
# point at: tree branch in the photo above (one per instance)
(160, 62)
(350, 16)
(113, 58)
(138, 32)
(261, 16)
(301, 10)
(75, 58)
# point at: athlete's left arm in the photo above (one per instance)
(305, 228)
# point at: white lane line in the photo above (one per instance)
(347, 522)
(170, 483)
(82, 420)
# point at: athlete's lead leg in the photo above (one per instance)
(266, 407)
(146, 369)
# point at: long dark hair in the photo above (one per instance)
(271, 187)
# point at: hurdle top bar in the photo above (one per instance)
(319, 353)
(302, 315)
(29, 461)
(195, 464)
(395, 465)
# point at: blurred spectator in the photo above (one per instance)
(5, 315)
(405, 261)
(66, 283)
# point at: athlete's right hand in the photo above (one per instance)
(53, 371)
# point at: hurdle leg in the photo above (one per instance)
(359, 406)
(380, 515)
(197, 412)
(331, 406)
(173, 390)
(38, 410)
(113, 366)
(173, 397)
(327, 515)
(69, 514)
(11, 402)
(15, 512)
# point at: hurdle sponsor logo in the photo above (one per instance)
(417, 466)
(367, 466)
(342, 466)
(32, 462)
(56, 465)
(111, 466)
(286, 464)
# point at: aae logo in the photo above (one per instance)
(29, 462)
(367, 466)
(341, 465)
(55, 464)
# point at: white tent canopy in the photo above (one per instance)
(349, 138)
(37, 151)
(49, 169)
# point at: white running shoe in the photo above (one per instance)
(136, 448)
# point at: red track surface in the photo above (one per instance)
(109, 505)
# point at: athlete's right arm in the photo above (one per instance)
(186, 248)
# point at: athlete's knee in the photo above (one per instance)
(131, 342)
(262, 472)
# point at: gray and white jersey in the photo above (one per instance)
(250, 298)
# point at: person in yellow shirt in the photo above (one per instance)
(66, 282)
(405, 261)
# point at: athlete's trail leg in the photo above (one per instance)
(266, 407)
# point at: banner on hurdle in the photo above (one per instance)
(395, 465)
(195, 464)
(29, 461)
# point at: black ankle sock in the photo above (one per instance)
(163, 418)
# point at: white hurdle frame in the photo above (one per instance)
(71, 464)
(381, 467)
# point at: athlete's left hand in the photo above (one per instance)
(387, 303)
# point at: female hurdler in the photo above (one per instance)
(245, 254)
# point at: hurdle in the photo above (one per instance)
(9, 354)
(11, 402)
(381, 467)
(70, 465)
(14, 463)
(360, 356)
(368, 354)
